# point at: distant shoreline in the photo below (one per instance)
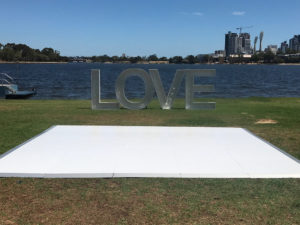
(149, 63)
(27, 62)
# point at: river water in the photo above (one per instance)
(72, 81)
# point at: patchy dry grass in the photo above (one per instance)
(151, 201)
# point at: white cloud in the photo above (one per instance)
(183, 13)
(197, 13)
(192, 13)
(238, 13)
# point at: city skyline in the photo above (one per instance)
(165, 28)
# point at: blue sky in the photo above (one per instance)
(139, 27)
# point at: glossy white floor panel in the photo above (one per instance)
(127, 151)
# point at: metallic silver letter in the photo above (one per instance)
(120, 89)
(190, 88)
(95, 93)
(166, 102)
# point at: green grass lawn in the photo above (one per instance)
(151, 201)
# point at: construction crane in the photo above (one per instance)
(241, 28)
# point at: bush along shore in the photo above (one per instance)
(12, 53)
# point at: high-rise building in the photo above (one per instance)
(295, 43)
(246, 43)
(240, 45)
(272, 48)
(231, 43)
(237, 44)
(284, 47)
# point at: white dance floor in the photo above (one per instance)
(127, 151)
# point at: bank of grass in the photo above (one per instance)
(152, 201)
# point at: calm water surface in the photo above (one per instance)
(72, 81)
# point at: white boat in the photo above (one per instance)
(9, 89)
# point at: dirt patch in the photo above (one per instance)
(266, 121)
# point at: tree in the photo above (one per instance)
(190, 59)
(48, 51)
(115, 58)
(206, 58)
(152, 57)
(135, 59)
(254, 58)
(258, 57)
(269, 57)
(163, 58)
(28, 54)
(278, 59)
(52, 54)
(104, 58)
(8, 54)
(22, 52)
(176, 59)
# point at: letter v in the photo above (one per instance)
(166, 102)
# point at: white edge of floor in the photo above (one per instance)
(20, 145)
(278, 149)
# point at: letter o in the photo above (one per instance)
(120, 89)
